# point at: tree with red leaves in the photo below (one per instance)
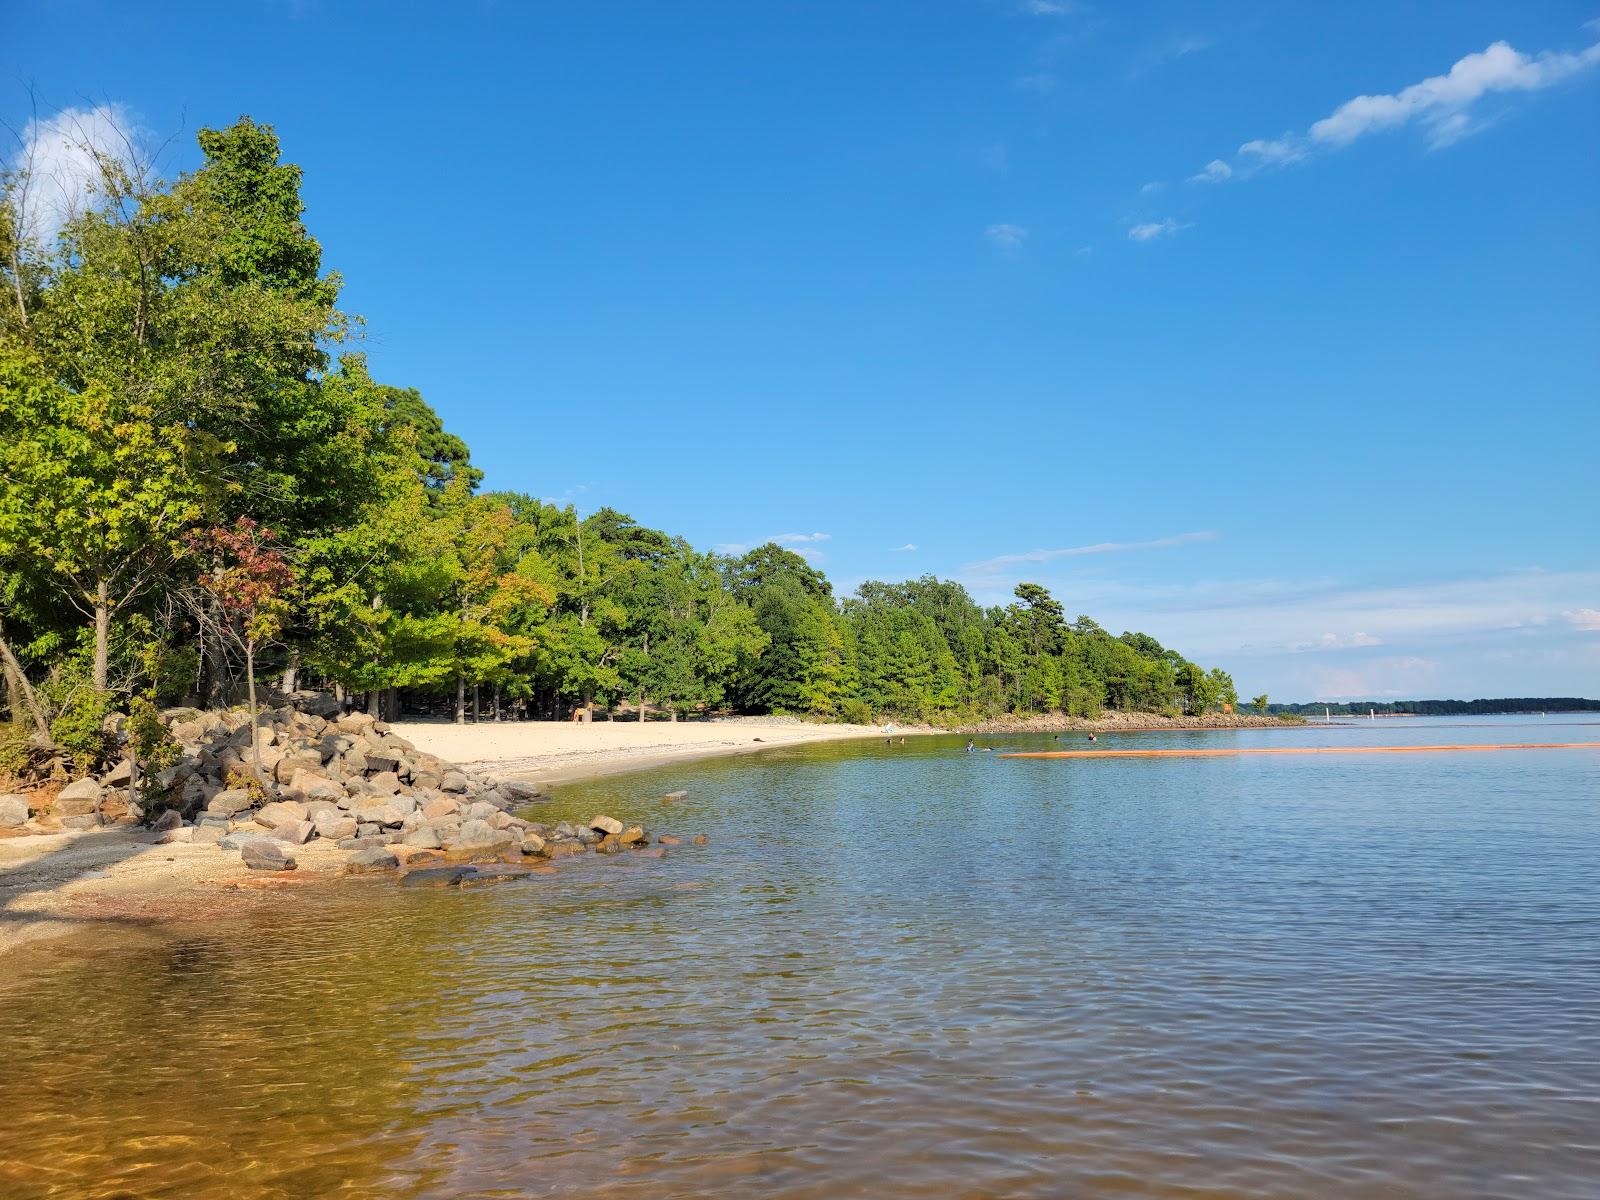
(247, 573)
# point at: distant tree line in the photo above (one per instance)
(200, 484)
(1442, 708)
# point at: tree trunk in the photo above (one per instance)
(477, 703)
(250, 684)
(291, 673)
(102, 637)
(497, 704)
(461, 699)
(375, 703)
(674, 716)
(21, 687)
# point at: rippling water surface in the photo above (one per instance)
(894, 972)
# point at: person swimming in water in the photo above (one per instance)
(971, 748)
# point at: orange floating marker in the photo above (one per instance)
(1231, 751)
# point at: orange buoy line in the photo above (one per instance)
(1225, 752)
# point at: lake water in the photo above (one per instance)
(894, 972)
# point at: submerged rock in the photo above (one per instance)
(433, 877)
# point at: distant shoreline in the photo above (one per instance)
(1130, 722)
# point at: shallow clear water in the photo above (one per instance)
(895, 972)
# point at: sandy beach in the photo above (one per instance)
(553, 751)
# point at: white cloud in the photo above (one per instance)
(1151, 188)
(1442, 104)
(1215, 171)
(1274, 152)
(1001, 564)
(1585, 619)
(903, 549)
(62, 157)
(1151, 230)
(1441, 101)
(1006, 236)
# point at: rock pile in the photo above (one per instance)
(347, 779)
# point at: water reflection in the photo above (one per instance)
(894, 972)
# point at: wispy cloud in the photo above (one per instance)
(1048, 8)
(1038, 81)
(1445, 106)
(1215, 171)
(1151, 188)
(1170, 51)
(1334, 641)
(1585, 619)
(1001, 564)
(903, 549)
(61, 157)
(803, 544)
(1006, 236)
(1150, 231)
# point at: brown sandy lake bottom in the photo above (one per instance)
(894, 972)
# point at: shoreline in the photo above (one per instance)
(1129, 722)
(74, 881)
(61, 883)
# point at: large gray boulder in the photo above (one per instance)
(13, 811)
(281, 812)
(478, 835)
(296, 833)
(423, 837)
(229, 803)
(80, 789)
(366, 861)
(335, 828)
(266, 854)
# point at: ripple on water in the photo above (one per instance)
(895, 972)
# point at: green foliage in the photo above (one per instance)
(153, 747)
(79, 730)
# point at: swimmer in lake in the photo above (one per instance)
(971, 749)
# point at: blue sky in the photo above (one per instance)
(1267, 329)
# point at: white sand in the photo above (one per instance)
(555, 750)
